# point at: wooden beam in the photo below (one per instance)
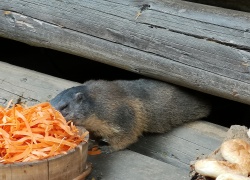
(196, 46)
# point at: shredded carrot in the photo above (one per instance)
(34, 133)
(94, 151)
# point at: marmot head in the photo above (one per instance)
(74, 103)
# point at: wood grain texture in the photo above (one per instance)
(130, 165)
(5, 172)
(192, 45)
(30, 86)
(24, 171)
(183, 144)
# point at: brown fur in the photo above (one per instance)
(102, 128)
(120, 111)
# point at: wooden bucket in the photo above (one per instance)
(61, 167)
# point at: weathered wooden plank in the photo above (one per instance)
(183, 144)
(31, 86)
(180, 42)
(130, 165)
(189, 18)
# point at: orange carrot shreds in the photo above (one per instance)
(94, 151)
(34, 133)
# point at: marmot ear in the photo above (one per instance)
(79, 96)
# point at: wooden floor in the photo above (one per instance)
(161, 156)
(165, 156)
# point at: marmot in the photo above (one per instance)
(121, 110)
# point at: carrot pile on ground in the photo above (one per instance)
(34, 133)
(94, 150)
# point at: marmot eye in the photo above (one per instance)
(63, 107)
(79, 97)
